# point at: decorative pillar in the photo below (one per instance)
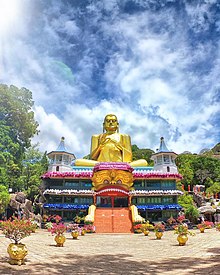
(129, 201)
(94, 200)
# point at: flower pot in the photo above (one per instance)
(83, 232)
(146, 232)
(60, 239)
(138, 231)
(17, 252)
(182, 239)
(202, 229)
(158, 235)
(75, 234)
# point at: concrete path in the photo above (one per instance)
(117, 254)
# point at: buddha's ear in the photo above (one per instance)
(103, 127)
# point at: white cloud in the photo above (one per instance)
(52, 129)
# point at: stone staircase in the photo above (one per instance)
(113, 220)
(199, 199)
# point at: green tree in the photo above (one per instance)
(34, 165)
(4, 198)
(16, 112)
(17, 127)
(8, 152)
(184, 164)
(206, 170)
(198, 169)
(185, 200)
(142, 154)
(214, 188)
(192, 213)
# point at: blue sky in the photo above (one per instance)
(153, 63)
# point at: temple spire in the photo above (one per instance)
(163, 147)
(164, 159)
(61, 147)
(60, 160)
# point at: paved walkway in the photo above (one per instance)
(117, 254)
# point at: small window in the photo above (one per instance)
(159, 159)
(166, 159)
(168, 169)
(57, 168)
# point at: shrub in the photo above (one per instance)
(159, 227)
(16, 229)
(58, 229)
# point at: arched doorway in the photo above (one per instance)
(112, 211)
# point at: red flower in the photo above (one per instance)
(137, 226)
(159, 227)
(181, 218)
(57, 229)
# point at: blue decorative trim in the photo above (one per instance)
(63, 206)
(159, 207)
(82, 168)
(143, 168)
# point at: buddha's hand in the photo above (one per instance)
(104, 141)
(117, 144)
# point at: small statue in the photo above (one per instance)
(110, 146)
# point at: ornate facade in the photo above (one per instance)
(71, 190)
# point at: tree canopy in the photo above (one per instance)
(16, 113)
(17, 127)
(146, 154)
(198, 169)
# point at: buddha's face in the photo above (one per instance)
(110, 123)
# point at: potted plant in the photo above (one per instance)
(181, 218)
(44, 221)
(54, 219)
(208, 224)
(35, 225)
(45, 218)
(16, 229)
(201, 227)
(171, 220)
(146, 227)
(137, 228)
(58, 230)
(79, 220)
(83, 231)
(159, 229)
(74, 229)
(48, 225)
(182, 231)
(90, 228)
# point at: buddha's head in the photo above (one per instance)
(110, 124)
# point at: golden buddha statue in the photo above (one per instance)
(110, 146)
